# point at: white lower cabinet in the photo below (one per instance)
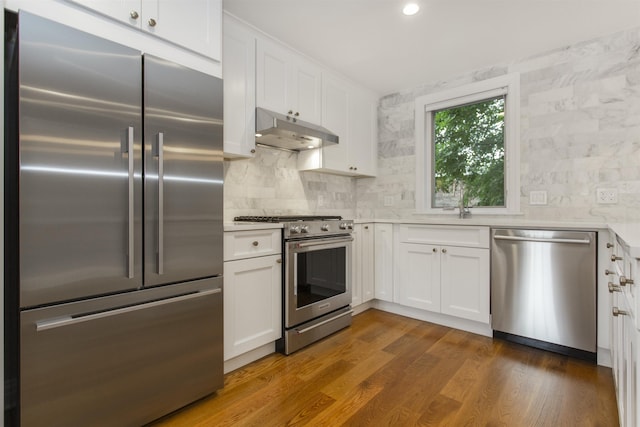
(252, 290)
(252, 303)
(362, 288)
(464, 281)
(625, 336)
(441, 278)
(383, 262)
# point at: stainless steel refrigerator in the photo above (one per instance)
(119, 229)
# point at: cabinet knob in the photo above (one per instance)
(434, 250)
(608, 272)
(609, 245)
(624, 281)
(134, 15)
(444, 251)
(152, 22)
(366, 227)
(279, 260)
(253, 151)
(297, 114)
(615, 258)
(614, 288)
(255, 243)
(617, 312)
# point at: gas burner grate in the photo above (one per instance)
(287, 218)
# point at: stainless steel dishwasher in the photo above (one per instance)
(543, 289)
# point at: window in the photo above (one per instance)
(467, 149)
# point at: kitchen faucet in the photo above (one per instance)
(463, 211)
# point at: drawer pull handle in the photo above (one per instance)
(609, 245)
(614, 288)
(255, 243)
(608, 272)
(617, 312)
(624, 281)
(615, 258)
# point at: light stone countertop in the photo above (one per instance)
(495, 222)
(629, 233)
(247, 226)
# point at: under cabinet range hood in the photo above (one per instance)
(290, 133)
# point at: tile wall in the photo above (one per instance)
(270, 184)
(580, 130)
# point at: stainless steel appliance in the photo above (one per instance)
(290, 133)
(316, 277)
(543, 289)
(119, 189)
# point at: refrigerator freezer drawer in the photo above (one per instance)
(115, 362)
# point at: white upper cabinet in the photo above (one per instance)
(193, 24)
(351, 113)
(287, 83)
(238, 72)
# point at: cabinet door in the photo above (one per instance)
(272, 77)
(252, 304)
(362, 137)
(631, 335)
(239, 70)
(335, 117)
(194, 24)
(128, 11)
(356, 277)
(384, 262)
(419, 276)
(305, 94)
(465, 283)
(366, 266)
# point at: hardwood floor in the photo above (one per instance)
(388, 370)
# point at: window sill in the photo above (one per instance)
(474, 212)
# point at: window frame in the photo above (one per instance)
(507, 85)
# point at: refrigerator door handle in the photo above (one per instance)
(131, 218)
(159, 153)
(58, 322)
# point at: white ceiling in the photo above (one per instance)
(371, 42)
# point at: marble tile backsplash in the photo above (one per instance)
(580, 130)
(270, 184)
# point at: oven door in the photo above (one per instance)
(317, 277)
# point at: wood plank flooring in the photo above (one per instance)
(389, 370)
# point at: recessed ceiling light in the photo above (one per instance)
(410, 9)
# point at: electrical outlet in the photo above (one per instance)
(388, 200)
(607, 196)
(538, 197)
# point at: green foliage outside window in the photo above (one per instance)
(469, 149)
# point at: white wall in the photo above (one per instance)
(580, 130)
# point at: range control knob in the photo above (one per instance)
(343, 226)
(350, 226)
(294, 229)
(304, 228)
(324, 227)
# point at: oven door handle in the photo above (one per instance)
(322, 242)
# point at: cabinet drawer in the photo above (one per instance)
(475, 237)
(247, 244)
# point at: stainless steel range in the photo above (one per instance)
(316, 277)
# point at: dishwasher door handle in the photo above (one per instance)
(551, 240)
